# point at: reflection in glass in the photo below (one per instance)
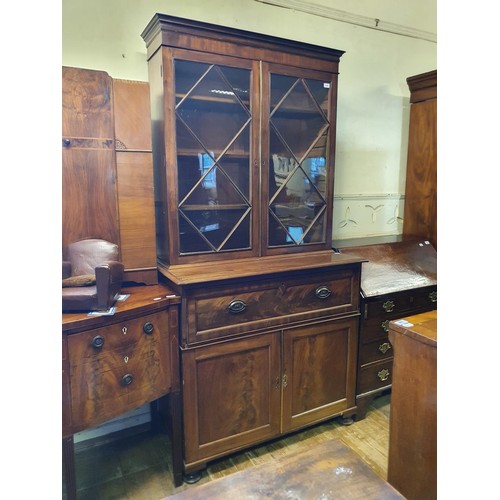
(298, 133)
(213, 126)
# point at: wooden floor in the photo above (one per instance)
(139, 467)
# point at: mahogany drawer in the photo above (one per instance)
(398, 304)
(374, 376)
(377, 350)
(215, 312)
(117, 368)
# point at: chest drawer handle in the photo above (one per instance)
(433, 296)
(385, 325)
(97, 342)
(323, 292)
(388, 306)
(236, 306)
(383, 348)
(383, 375)
(148, 327)
(127, 379)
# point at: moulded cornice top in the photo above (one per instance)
(162, 23)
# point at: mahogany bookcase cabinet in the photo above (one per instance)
(243, 156)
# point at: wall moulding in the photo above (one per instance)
(361, 215)
(350, 18)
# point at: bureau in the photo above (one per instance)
(399, 278)
(114, 364)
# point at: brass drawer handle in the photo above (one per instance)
(383, 375)
(236, 306)
(127, 379)
(388, 306)
(323, 292)
(97, 342)
(285, 381)
(148, 327)
(385, 325)
(383, 348)
(433, 296)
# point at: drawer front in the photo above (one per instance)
(425, 299)
(124, 368)
(401, 303)
(374, 376)
(378, 350)
(376, 328)
(229, 310)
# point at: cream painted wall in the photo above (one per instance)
(373, 103)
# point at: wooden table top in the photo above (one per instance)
(329, 470)
(420, 327)
(142, 299)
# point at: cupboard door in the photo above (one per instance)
(319, 372)
(298, 148)
(216, 125)
(231, 396)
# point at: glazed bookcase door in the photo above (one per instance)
(216, 122)
(298, 149)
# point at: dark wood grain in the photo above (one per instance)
(231, 397)
(89, 202)
(93, 377)
(420, 210)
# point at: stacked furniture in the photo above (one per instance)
(398, 279)
(243, 154)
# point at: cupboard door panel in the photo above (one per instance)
(319, 372)
(231, 396)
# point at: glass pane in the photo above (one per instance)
(320, 91)
(298, 171)
(216, 226)
(213, 157)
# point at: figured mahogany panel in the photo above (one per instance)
(128, 369)
(231, 396)
(319, 372)
(235, 308)
(89, 202)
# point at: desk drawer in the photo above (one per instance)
(228, 310)
(374, 376)
(117, 368)
(377, 350)
(399, 304)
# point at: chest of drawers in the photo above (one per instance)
(399, 278)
